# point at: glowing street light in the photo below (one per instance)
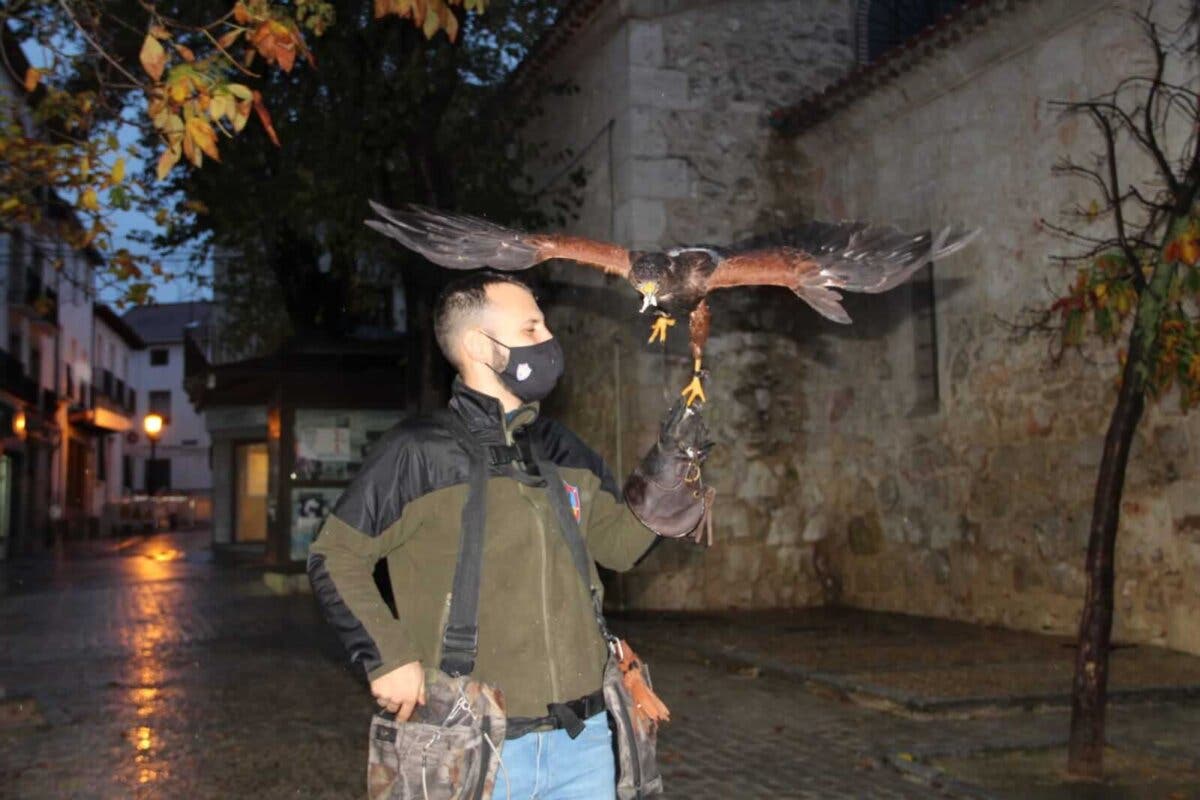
(153, 425)
(19, 423)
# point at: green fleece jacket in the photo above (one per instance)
(538, 637)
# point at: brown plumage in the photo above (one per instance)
(818, 260)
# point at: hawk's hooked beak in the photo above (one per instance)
(649, 291)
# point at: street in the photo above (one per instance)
(141, 669)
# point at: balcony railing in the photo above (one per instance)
(27, 289)
(111, 388)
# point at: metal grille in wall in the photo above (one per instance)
(884, 24)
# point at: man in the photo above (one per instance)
(538, 638)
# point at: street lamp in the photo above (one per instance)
(153, 426)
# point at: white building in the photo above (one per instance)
(182, 460)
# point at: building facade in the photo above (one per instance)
(181, 463)
(925, 459)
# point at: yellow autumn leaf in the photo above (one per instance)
(202, 134)
(118, 171)
(153, 57)
(159, 32)
(240, 91)
(1093, 208)
(89, 201)
(167, 161)
(227, 40)
(180, 88)
(433, 21)
(32, 77)
(241, 116)
(192, 153)
(9, 204)
(450, 23)
(219, 106)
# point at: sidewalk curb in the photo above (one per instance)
(911, 703)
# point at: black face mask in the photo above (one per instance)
(532, 370)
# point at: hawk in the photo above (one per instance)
(821, 259)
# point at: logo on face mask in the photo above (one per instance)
(523, 371)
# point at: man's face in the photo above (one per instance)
(513, 318)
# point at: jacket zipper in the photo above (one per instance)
(546, 603)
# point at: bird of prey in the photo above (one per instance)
(820, 259)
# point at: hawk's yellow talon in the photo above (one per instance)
(658, 330)
(694, 391)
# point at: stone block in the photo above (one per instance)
(645, 130)
(660, 178)
(645, 44)
(758, 482)
(816, 529)
(658, 88)
(1183, 628)
(641, 222)
(784, 528)
(865, 535)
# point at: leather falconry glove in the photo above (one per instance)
(666, 490)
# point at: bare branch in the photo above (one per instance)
(1156, 151)
(1110, 143)
(96, 45)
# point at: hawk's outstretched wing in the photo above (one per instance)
(459, 241)
(818, 258)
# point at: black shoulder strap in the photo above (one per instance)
(567, 524)
(460, 639)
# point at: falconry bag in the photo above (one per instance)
(449, 748)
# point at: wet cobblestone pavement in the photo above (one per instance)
(145, 670)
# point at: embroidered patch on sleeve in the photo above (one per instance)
(576, 503)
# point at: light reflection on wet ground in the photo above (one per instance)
(159, 674)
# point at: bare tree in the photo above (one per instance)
(1135, 279)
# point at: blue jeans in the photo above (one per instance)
(550, 765)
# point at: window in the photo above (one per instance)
(35, 361)
(885, 24)
(160, 403)
(925, 353)
(159, 356)
(158, 474)
(102, 458)
(190, 442)
(127, 472)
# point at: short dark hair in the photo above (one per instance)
(460, 299)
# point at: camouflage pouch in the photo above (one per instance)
(448, 749)
(637, 765)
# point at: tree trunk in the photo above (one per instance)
(1089, 690)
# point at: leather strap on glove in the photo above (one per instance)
(666, 490)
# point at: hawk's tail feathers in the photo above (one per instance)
(455, 241)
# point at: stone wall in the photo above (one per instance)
(980, 511)
(839, 480)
